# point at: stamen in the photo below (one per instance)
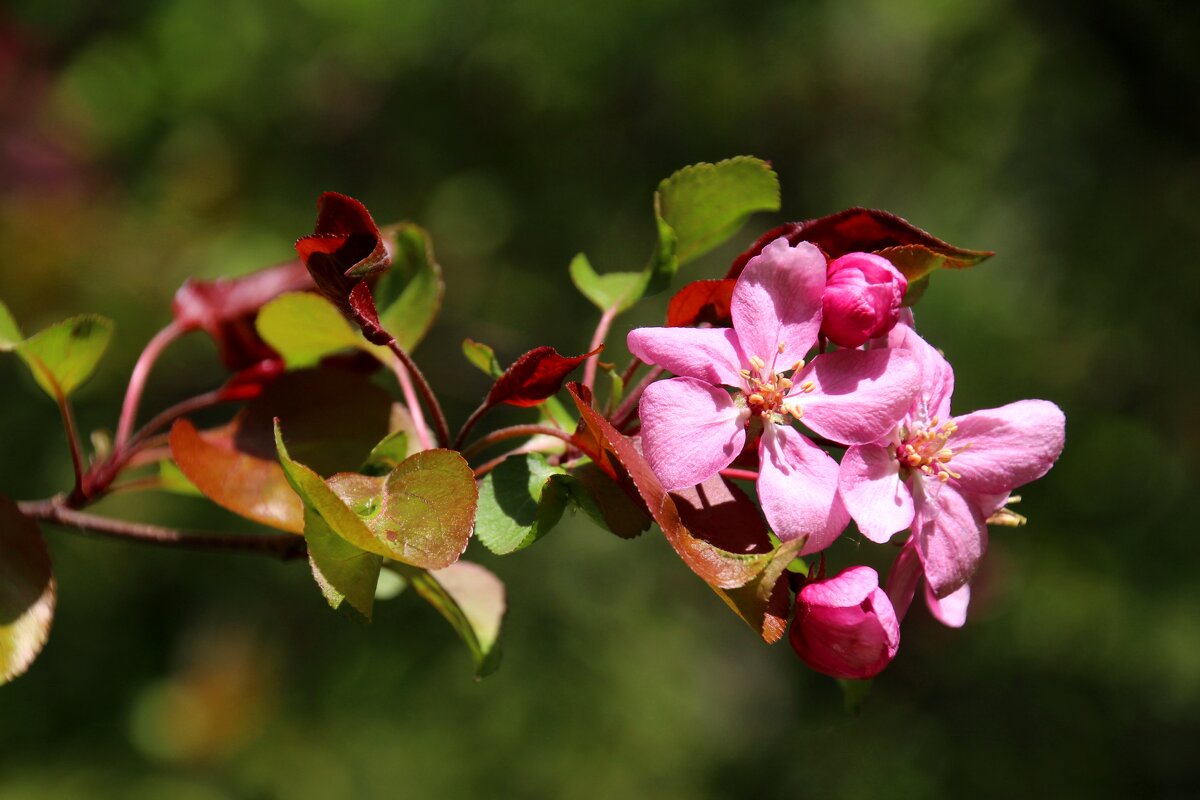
(757, 363)
(781, 348)
(807, 387)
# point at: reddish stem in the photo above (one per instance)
(628, 408)
(740, 474)
(137, 380)
(512, 433)
(435, 410)
(589, 369)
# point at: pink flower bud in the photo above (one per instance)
(845, 626)
(862, 298)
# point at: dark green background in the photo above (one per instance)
(143, 142)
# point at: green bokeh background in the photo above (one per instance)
(143, 142)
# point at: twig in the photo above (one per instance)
(513, 432)
(137, 380)
(589, 369)
(620, 418)
(435, 410)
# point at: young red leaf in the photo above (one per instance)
(716, 566)
(225, 309)
(701, 301)
(867, 230)
(534, 377)
(27, 591)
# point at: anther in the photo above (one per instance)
(757, 363)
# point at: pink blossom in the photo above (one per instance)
(906, 575)
(845, 626)
(692, 427)
(943, 476)
(862, 299)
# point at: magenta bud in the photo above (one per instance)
(862, 298)
(845, 626)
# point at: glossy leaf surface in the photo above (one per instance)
(519, 502)
(304, 328)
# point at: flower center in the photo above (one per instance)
(767, 391)
(923, 447)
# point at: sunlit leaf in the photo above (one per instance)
(472, 600)
(618, 290)
(344, 572)
(765, 603)
(702, 205)
(387, 455)
(410, 293)
(10, 332)
(304, 328)
(27, 591)
(66, 354)
(519, 502)
(420, 513)
(172, 479)
(482, 356)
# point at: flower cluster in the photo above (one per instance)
(882, 397)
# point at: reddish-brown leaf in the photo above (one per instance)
(534, 377)
(225, 309)
(867, 230)
(345, 247)
(721, 514)
(702, 302)
(716, 566)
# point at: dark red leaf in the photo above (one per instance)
(225, 309)
(362, 311)
(720, 513)
(534, 377)
(345, 247)
(717, 567)
(250, 382)
(700, 302)
(868, 230)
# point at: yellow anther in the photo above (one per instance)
(799, 365)
(943, 476)
(785, 383)
(756, 399)
(757, 363)
(781, 348)
(807, 386)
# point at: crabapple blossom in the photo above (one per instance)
(693, 427)
(862, 299)
(845, 626)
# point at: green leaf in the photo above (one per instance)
(173, 480)
(472, 600)
(614, 289)
(10, 332)
(765, 604)
(64, 355)
(345, 573)
(483, 357)
(409, 295)
(387, 455)
(420, 513)
(701, 206)
(304, 328)
(916, 290)
(519, 502)
(27, 591)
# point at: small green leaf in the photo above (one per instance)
(420, 513)
(27, 591)
(916, 290)
(304, 328)
(553, 412)
(10, 332)
(519, 502)
(344, 572)
(701, 206)
(483, 357)
(409, 295)
(617, 388)
(387, 455)
(472, 600)
(614, 289)
(64, 355)
(390, 586)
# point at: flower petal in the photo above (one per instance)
(797, 486)
(777, 300)
(870, 487)
(708, 354)
(905, 574)
(858, 396)
(690, 431)
(1009, 446)
(937, 376)
(951, 534)
(951, 610)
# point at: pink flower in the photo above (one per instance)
(845, 626)
(943, 476)
(692, 427)
(902, 581)
(862, 299)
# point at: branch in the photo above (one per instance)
(512, 433)
(589, 370)
(285, 546)
(435, 410)
(137, 380)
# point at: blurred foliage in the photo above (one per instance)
(144, 142)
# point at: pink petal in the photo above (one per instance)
(690, 431)
(859, 395)
(777, 300)
(797, 486)
(951, 610)
(951, 534)
(937, 376)
(1009, 446)
(848, 588)
(708, 354)
(870, 487)
(904, 576)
